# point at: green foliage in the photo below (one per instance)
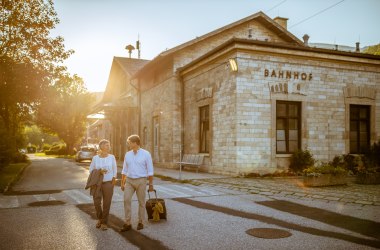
(46, 147)
(10, 173)
(371, 159)
(351, 163)
(65, 108)
(58, 149)
(34, 135)
(375, 50)
(19, 157)
(325, 168)
(337, 161)
(300, 160)
(29, 62)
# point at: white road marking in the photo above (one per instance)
(78, 196)
(196, 189)
(171, 192)
(9, 202)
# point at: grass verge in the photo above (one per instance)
(11, 173)
(55, 156)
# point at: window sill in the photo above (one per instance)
(205, 154)
(283, 155)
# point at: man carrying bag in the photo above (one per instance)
(137, 167)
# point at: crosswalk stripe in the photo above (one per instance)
(78, 196)
(41, 197)
(203, 191)
(171, 191)
(9, 202)
(190, 189)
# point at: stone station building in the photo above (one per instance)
(246, 96)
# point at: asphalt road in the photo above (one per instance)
(49, 209)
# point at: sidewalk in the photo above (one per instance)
(184, 175)
(281, 188)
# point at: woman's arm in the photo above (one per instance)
(92, 165)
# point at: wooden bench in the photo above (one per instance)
(191, 160)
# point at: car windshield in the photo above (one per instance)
(87, 149)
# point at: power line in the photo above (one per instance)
(317, 13)
(276, 6)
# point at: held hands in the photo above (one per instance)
(151, 189)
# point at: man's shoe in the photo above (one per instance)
(103, 227)
(140, 226)
(125, 228)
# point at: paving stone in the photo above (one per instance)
(330, 198)
(318, 196)
(299, 194)
(348, 200)
(286, 192)
(266, 193)
(364, 202)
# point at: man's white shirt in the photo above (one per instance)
(137, 165)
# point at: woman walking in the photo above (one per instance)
(105, 164)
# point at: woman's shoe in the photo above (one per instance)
(103, 227)
(98, 224)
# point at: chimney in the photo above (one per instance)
(282, 21)
(357, 47)
(306, 39)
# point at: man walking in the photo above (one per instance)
(137, 167)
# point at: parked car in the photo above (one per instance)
(85, 153)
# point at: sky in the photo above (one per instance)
(98, 30)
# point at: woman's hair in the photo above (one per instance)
(102, 142)
(135, 139)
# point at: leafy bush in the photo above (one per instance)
(19, 157)
(325, 168)
(371, 159)
(338, 161)
(351, 163)
(57, 149)
(300, 160)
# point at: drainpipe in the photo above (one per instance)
(182, 90)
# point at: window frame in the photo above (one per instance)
(358, 120)
(203, 137)
(288, 117)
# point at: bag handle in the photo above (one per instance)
(154, 193)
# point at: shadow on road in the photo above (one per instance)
(364, 227)
(132, 236)
(281, 223)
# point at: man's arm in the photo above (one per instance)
(150, 179)
(124, 172)
(123, 179)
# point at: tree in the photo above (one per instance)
(35, 136)
(29, 61)
(64, 110)
(375, 50)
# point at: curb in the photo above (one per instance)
(16, 178)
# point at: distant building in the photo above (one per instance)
(283, 96)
